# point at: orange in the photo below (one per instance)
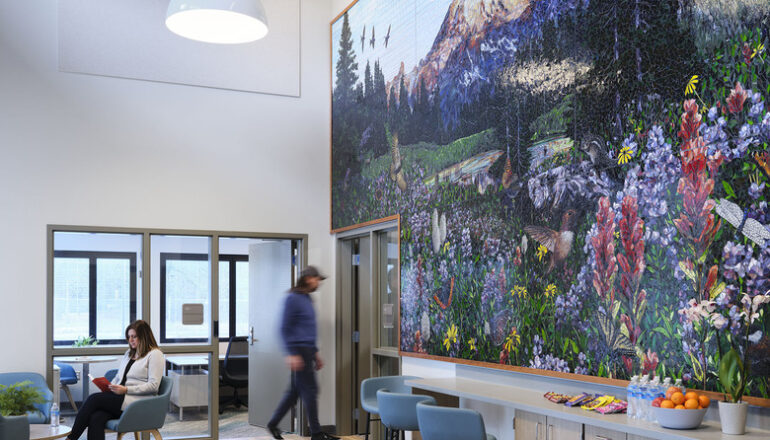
(678, 398)
(671, 390)
(666, 404)
(679, 407)
(704, 401)
(691, 404)
(691, 395)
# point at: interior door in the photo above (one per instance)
(270, 275)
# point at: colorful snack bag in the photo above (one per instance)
(578, 400)
(555, 397)
(598, 402)
(618, 406)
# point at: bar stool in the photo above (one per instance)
(369, 389)
(442, 423)
(398, 412)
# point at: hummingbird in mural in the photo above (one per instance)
(387, 37)
(558, 243)
(596, 150)
(373, 40)
(363, 38)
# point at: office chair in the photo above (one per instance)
(235, 371)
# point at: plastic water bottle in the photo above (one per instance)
(652, 392)
(640, 401)
(54, 415)
(679, 385)
(631, 393)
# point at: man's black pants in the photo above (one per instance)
(303, 385)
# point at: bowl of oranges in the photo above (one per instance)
(680, 410)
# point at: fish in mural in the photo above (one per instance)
(558, 243)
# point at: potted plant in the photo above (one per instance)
(15, 401)
(733, 375)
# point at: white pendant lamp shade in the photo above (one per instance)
(217, 21)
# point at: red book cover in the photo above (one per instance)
(100, 382)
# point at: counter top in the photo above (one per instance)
(533, 401)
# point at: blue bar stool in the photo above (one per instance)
(398, 412)
(67, 377)
(442, 423)
(369, 389)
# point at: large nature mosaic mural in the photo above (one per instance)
(582, 184)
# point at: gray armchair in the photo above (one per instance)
(146, 415)
(38, 381)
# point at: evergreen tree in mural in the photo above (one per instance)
(345, 133)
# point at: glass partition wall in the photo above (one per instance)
(192, 287)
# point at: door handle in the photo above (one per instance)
(537, 431)
(251, 336)
(550, 432)
(601, 437)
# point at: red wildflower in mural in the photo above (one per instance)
(504, 356)
(417, 342)
(737, 98)
(604, 245)
(628, 363)
(632, 265)
(746, 51)
(517, 258)
(697, 224)
(650, 362)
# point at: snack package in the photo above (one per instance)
(598, 402)
(578, 400)
(617, 406)
(555, 397)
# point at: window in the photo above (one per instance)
(94, 295)
(185, 279)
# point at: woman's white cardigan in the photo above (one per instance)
(143, 378)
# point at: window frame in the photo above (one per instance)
(92, 256)
(231, 259)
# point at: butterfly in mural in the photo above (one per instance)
(559, 243)
(763, 159)
(752, 229)
(614, 338)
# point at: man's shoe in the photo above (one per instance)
(275, 432)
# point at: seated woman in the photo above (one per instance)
(138, 377)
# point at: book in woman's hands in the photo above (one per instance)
(100, 382)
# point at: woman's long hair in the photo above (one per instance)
(146, 339)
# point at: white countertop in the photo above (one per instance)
(533, 401)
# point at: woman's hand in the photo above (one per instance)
(118, 389)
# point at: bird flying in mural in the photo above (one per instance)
(596, 150)
(558, 243)
(363, 38)
(373, 40)
(752, 229)
(387, 37)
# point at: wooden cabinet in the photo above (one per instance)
(596, 433)
(531, 426)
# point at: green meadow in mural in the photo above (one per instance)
(581, 183)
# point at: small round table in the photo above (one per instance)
(86, 361)
(46, 432)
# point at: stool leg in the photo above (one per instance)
(368, 420)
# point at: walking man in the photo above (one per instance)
(298, 329)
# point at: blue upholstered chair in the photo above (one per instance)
(38, 381)
(67, 377)
(110, 374)
(398, 412)
(442, 423)
(369, 389)
(146, 415)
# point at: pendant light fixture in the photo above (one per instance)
(217, 21)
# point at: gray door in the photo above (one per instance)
(270, 275)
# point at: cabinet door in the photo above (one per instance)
(559, 429)
(637, 437)
(529, 426)
(596, 433)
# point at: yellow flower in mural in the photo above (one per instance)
(512, 341)
(758, 50)
(690, 89)
(550, 290)
(625, 155)
(519, 291)
(451, 336)
(446, 246)
(472, 343)
(541, 251)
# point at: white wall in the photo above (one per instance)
(88, 150)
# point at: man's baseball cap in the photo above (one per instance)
(311, 271)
